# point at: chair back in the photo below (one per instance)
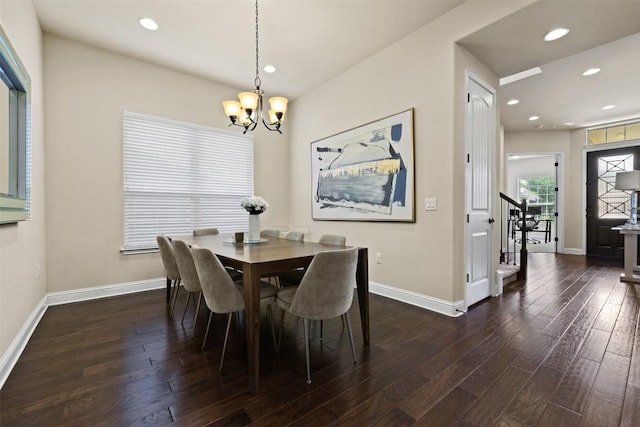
(326, 290)
(205, 232)
(332, 239)
(298, 236)
(188, 273)
(270, 233)
(220, 293)
(168, 258)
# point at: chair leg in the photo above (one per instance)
(306, 348)
(206, 333)
(175, 297)
(353, 347)
(169, 290)
(224, 346)
(321, 330)
(195, 316)
(186, 304)
(280, 334)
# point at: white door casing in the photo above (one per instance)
(480, 141)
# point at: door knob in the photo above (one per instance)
(491, 220)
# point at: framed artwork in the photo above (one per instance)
(365, 173)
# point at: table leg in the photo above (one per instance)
(630, 258)
(252, 312)
(362, 282)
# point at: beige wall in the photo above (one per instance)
(87, 89)
(423, 71)
(22, 245)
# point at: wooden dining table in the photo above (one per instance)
(274, 255)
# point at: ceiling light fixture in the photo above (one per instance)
(269, 69)
(148, 23)
(532, 118)
(556, 34)
(513, 101)
(519, 76)
(248, 112)
(591, 72)
(608, 107)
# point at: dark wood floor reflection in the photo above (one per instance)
(561, 350)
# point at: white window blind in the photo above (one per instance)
(181, 176)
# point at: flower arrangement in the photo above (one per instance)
(255, 205)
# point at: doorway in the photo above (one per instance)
(535, 177)
(607, 207)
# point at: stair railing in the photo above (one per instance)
(510, 213)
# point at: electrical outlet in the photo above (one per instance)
(378, 258)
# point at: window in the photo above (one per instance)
(539, 191)
(180, 176)
(15, 136)
(617, 133)
(612, 203)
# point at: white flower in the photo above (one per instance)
(254, 204)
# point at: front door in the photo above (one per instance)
(606, 206)
(480, 140)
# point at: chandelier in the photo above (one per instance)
(247, 112)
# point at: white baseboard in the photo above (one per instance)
(448, 308)
(84, 294)
(10, 357)
(573, 251)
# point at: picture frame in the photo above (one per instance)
(366, 173)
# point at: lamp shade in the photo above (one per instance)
(628, 180)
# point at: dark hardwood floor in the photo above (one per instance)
(562, 349)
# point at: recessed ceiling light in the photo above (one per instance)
(148, 23)
(608, 107)
(556, 34)
(532, 118)
(513, 101)
(591, 72)
(269, 69)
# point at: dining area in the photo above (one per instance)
(285, 273)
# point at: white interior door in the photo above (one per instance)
(480, 140)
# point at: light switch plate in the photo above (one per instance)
(430, 204)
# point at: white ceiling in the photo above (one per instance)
(603, 34)
(311, 41)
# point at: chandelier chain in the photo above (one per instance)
(257, 80)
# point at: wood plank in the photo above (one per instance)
(488, 409)
(610, 383)
(631, 408)
(532, 400)
(573, 391)
(555, 415)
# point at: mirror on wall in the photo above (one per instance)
(14, 134)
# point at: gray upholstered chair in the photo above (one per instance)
(293, 277)
(325, 292)
(205, 231)
(270, 233)
(298, 236)
(170, 267)
(189, 279)
(224, 296)
(332, 239)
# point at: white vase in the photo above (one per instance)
(254, 227)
